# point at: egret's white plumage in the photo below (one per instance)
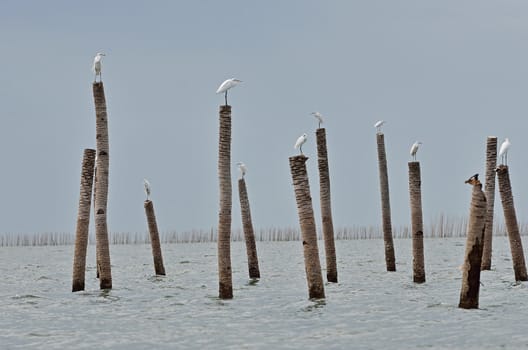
(243, 169)
(97, 65)
(414, 149)
(503, 151)
(226, 85)
(300, 141)
(319, 117)
(146, 184)
(379, 124)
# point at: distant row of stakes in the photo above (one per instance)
(94, 181)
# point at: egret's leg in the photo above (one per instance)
(226, 97)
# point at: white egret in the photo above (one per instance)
(379, 124)
(97, 64)
(319, 117)
(226, 85)
(243, 169)
(300, 141)
(146, 184)
(503, 151)
(414, 149)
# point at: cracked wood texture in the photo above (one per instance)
(390, 259)
(469, 293)
(249, 235)
(415, 192)
(83, 220)
(101, 194)
(303, 198)
(154, 238)
(326, 206)
(224, 216)
(491, 164)
(510, 218)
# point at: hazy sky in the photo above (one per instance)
(447, 73)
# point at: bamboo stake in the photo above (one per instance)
(83, 220)
(249, 235)
(307, 222)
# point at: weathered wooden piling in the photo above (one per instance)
(249, 235)
(154, 238)
(326, 206)
(469, 293)
(224, 220)
(415, 193)
(101, 195)
(491, 164)
(83, 220)
(510, 218)
(390, 259)
(307, 222)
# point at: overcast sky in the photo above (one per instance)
(447, 73)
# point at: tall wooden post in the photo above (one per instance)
(249, 235)
(307, 222)
(154, 238)
(491, 164)
(83, 220)
(101, 195)
(510, 218)
(326, 206)
(469, 293)
(390, 260)
(224, 220)
(415, 193)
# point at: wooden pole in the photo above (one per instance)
(390, 260)
(326, 206)
(491, 164)
(469, 293)
(415, 193)
(154, 238)
(307, 222)
(249, 235)
(224, 220)
(83, 220)
(510, 218)
(101, 195)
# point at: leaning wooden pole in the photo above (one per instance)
(491, 164)
(469, 293)
(326, 207)
(154, 238)
(415, 193)
(83, 220)
(390, 260)
(510, 218)
(312, 264)
(249, 235)
(224, 219)
(101, 195)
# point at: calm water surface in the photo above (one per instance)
(368, 309)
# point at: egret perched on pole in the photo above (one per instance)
(300, 141)
(97, 66)
(503, 151)
(414, 149)
(379, 124)
(243, 169)
(319, 118)
(226, 85)
(146, 184)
